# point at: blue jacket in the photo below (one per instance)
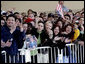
(16, 36)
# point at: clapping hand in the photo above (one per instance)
(2, 44)
(62, 39)
(50, 33)
(67, 40)
(8, 43)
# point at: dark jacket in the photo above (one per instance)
(60, 45)
(45, 41)
(16, 36)
(42, 36)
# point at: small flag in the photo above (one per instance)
(60, 10)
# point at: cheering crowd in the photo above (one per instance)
(21, 30)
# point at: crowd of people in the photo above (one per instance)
(21, 30)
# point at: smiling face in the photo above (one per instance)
(48, 26)
(56, 30)
(81, 21)
(11, 21)
(68, 29)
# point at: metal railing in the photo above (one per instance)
(72, 53)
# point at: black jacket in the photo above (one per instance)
(42, 36)
(45, 41)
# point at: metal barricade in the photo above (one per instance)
(72, 53)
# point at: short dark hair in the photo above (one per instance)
(4, 13)
(51, 15)
(68, 16)
(56, 26)
(41, 22)
(28, 28)
(19, 19)
(35, 13)
(16, 13)
(69, 25)
(30, 10)
(2, 18)
(11, 15)
(30, 25)
(59, 19)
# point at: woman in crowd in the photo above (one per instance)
(41, 38)
(58, 43)
(49, 37)
(70, 36)
(60, 23)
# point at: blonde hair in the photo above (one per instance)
(48, 22)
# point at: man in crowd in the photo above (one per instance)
(10, 36)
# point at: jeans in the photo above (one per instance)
(71, 59)
(65, 59)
